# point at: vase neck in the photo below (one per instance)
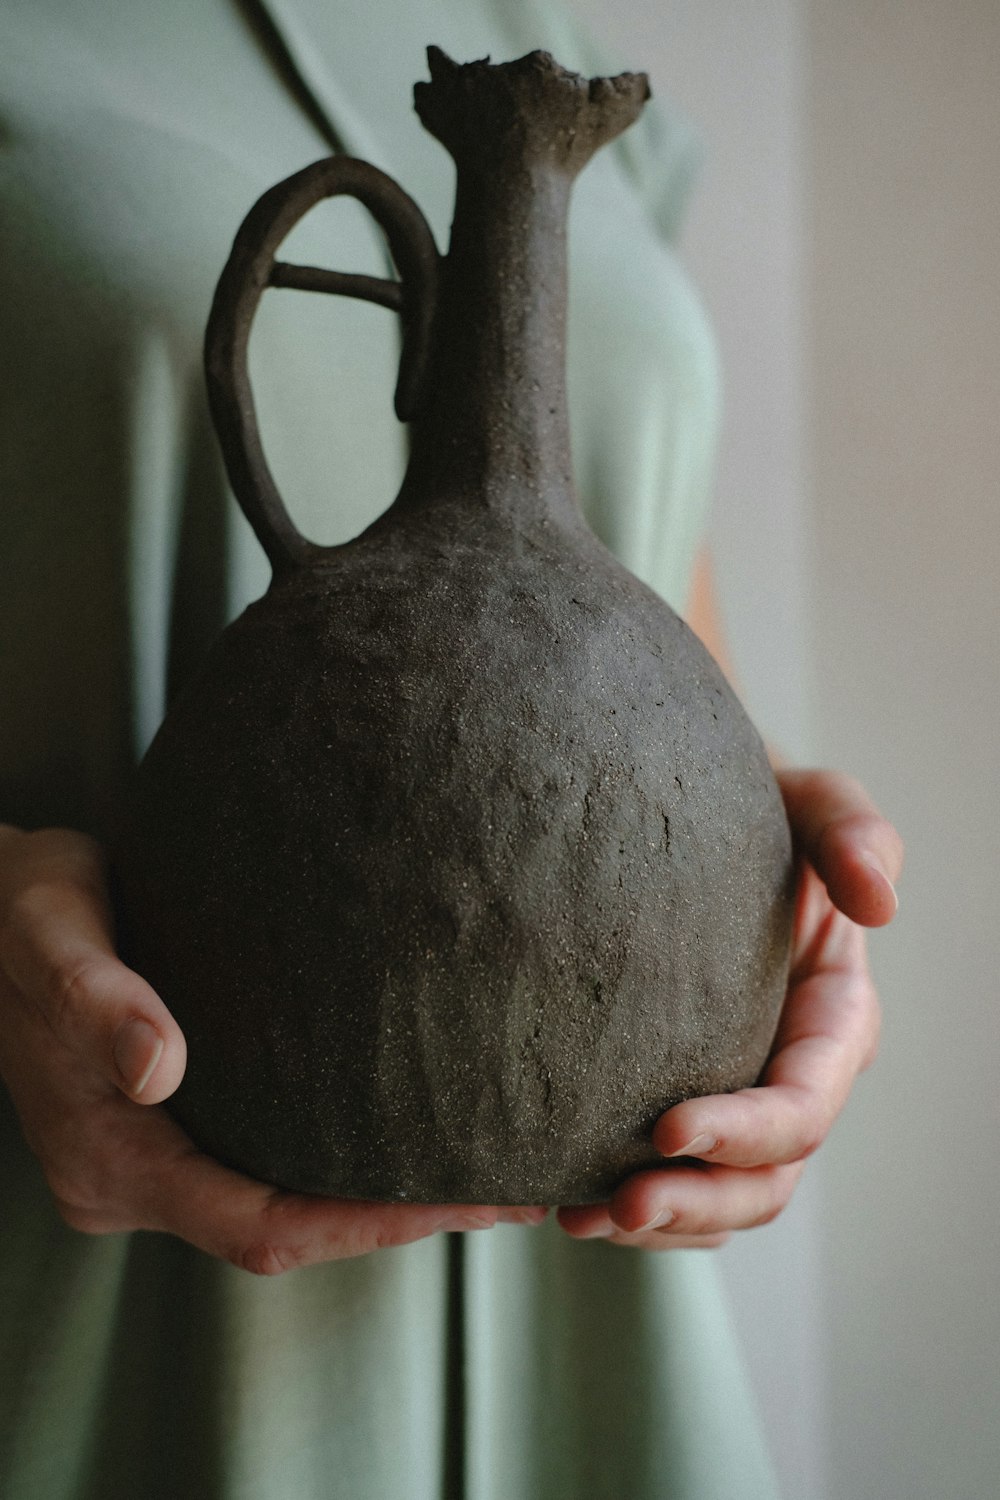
(495, 422)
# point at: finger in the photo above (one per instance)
(857, 852)
(58, 953)
(699, 1202)
(113, 1167)
(266, 1230)
(592, 1222)
(828, 1034)
(530, 1215)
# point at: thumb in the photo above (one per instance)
(58, 953)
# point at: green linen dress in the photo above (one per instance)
(510, 1365)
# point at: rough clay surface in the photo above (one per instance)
(460, 862)
(454, 909)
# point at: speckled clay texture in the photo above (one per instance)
(460, 862)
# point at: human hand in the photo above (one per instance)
(87, 1050)
(733, 1160)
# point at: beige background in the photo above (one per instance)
(846, 238)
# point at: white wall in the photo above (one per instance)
(905, 305)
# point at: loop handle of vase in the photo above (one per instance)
(252, 268)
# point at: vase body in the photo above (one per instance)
(460, 862)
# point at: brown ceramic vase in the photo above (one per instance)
(459, 862)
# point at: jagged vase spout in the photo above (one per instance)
(459, 862)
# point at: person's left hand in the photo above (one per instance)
(733, 1160)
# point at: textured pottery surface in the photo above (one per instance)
(460, 861)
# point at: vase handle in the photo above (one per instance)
(252, 268)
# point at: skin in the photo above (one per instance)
(88, 1050)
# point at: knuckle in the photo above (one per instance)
(843, 782)
(699, 1226)
(24, 910)
(70, 1189)
(769, 1214)
(75, 989)
(32, 904)
(82, 1206)
(87, 1189)
(263, 1258)
(386, 1234)
(86, 1220)
(809, 1142)
(485, 1218)
(854, 795)
(896, 840)
(859, 998)
(811, 1123)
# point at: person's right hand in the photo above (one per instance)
(87, 1049)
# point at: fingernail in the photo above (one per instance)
(702, 1145)
(138, 1048)
(663, 1218)
(599, 1232)
(874, 863)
